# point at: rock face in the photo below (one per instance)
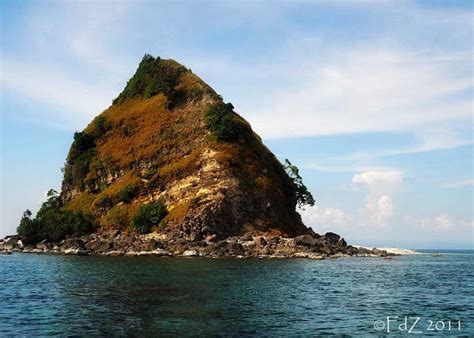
(156, 142)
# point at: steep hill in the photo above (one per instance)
(169, 137)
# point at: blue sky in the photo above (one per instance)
(371, 99)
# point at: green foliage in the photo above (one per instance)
(27, 227)
(100, 126)
(147, 216)
(53, 222)
(82, 151)
(303, 196)
(153, 76)
(128, 193)
(223, 122)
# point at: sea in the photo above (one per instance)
(430, 293)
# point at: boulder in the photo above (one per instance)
(235, 248)
(247, 237)
(306, 240)
(342, 242)
(260, 241)
(332, 237)
(190, 253)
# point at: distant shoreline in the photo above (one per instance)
(395, 251)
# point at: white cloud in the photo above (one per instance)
(379, 181)
(430, 139)
(458, 184)
(443, 222)
(368, 90)
(379, 206)
(325, 219)
(377, 210)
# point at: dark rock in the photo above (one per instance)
(260, 241)
(247, 237)
(195, 236)
(112, 233)
(306, 240)
(332, 237)
(181, 241)
(102, 246)
(154, 244)
(235, 248)
(73, 243)
(43, 245)
(342, 242)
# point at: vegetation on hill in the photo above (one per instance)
(53, 222)
(153, 76)
(303, 196)
(148, 216)
(224, 123)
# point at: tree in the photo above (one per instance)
(53, 221)
(27, 226)
(303, 196)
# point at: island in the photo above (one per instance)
(170, 169)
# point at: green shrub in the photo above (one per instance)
(100, 126)
(128, 193)
(223, 122)
(148, 216)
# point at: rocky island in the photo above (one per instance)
(169, 169)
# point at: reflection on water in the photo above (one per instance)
(52, 295)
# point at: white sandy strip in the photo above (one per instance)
(396, 251)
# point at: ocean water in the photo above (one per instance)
(66, 295)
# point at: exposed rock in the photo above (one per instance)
(306, 240)
(190, 253)
(146, 245)
(332, 237)
(247, 237)
(260, 241)
(342, 242)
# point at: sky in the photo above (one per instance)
(372, 100)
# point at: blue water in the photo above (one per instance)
(62, 295)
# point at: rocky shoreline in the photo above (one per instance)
(120, 243)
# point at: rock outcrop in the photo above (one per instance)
(121, 243)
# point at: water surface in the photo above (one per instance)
(67, 295)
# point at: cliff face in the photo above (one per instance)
(169, 137)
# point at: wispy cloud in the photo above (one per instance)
(75, 101)
(368, 90)
(458, 184)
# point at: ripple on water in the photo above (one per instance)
(55, 295)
